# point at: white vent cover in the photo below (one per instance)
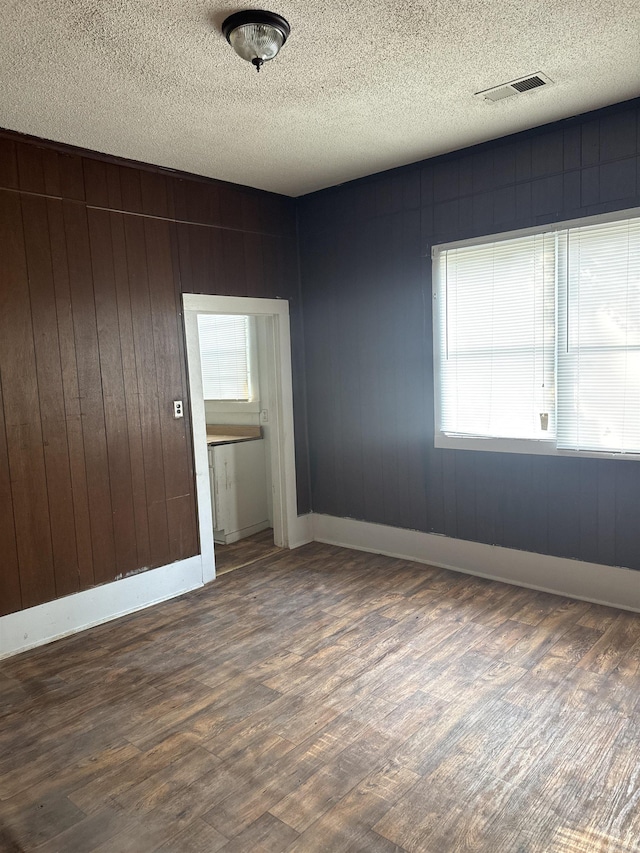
(514, 87)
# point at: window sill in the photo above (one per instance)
(529, 447)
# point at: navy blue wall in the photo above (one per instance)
(366, 285)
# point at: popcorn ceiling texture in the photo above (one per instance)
(358, 88)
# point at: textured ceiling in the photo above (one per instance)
(358, 88)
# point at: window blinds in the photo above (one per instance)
(538, 338)
(224, 356)
(599, 338)
(496, 341)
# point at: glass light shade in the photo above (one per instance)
(256, 41)
(256, 35)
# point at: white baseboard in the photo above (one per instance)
(53, 620)
(617, 587)
(35, 626)
(301, 531)
(237, 535)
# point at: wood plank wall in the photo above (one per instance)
(96, 476)
(366, 276)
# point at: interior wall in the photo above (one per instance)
(96, 476)
(366, 281)
(254, 253)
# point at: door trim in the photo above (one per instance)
(283, 469)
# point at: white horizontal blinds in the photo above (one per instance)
(599, 339)
(497, 339)
(224, 355)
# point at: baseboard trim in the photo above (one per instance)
(62, 617)
(53, 620)
(301, 532)
(609, 585)
(237, 535)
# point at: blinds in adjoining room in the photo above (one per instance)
(224, 355)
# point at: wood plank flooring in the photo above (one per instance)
(328, 700)
(245, 551)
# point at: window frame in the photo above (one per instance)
(531, 446)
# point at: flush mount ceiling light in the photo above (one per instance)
(255, 35)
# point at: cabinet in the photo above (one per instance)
(237, 474)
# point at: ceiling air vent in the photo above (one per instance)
(514, 87)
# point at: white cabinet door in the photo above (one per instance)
(239, 491)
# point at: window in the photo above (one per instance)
(225, 355)
(537, 339)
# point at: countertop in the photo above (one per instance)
(231, 434)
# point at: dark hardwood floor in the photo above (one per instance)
(328, 700)
(244, 552)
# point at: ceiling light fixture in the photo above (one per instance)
(255, 35)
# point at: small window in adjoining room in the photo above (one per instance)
(537, 340)
(226, 357)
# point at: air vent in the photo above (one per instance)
(514, 87)
(529, 83)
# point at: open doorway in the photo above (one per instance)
(275, 415)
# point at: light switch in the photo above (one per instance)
(178, 411)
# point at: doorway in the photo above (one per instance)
(273, 318)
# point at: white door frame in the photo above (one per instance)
(283, 468)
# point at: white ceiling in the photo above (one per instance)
(359, 87)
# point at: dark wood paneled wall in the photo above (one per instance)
(366, 277)
(96, 476)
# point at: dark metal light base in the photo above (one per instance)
(255, 16)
